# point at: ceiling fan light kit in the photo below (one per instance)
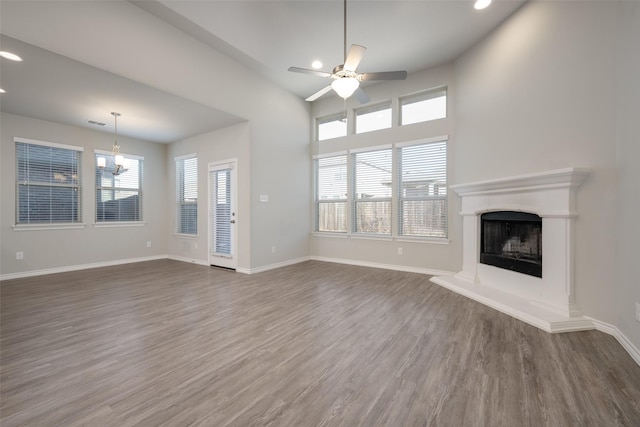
(346, 81)
(345, 86)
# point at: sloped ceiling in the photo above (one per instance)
(67, 83)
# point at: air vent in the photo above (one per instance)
(93, 122)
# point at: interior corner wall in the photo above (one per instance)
(50, 250)
(423, 256)
(627, 284)
(279, 121)
(220, 145)
(538, 94)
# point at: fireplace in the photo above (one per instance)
(507, 225)
(512, 240)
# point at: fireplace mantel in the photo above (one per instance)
(547, 302)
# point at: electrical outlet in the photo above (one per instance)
(638, 312)
(19, 255)
(273, 249)
(149, 244)
(399, 251)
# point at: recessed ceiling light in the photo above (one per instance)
(316, 64)
(9, 55)
(481, 4)
(2, 90)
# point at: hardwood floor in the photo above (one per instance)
(314, 344)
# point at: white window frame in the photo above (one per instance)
(421, 97)
(356, 200)
(50, 224)
(433, 183)
(318, 201)
(99, 188)
(371, 109)
(342, 116)
(181, 201)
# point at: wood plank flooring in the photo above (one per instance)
(314, 344)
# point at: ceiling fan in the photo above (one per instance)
(346, 80)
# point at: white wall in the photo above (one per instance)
(148, 50)
(417, 256)
(53, 249)
(627, 284)
(539, 93)
(230, 143)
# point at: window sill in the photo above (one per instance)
(119, 224)
(406, 239)
(371, 237)
(429, 240)
(37, 227)
(335, 235)
(186, 236)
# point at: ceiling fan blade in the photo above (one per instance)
(384, 75)
(356, 52)
(307, 71)
(319, 93)
(362, 96)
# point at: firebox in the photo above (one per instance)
(513, 241)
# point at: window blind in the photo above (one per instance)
(422, 190)
(221, 214)
(331, 193)
(118, 198)
(372, 191)
(187, 195)
(48, 183)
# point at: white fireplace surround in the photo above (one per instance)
(547, 302)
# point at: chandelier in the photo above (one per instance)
(119, 163)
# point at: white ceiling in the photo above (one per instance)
(267, 36)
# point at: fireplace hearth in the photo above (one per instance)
(507, 225)
(513, 241)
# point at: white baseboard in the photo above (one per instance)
(395, 267)
(633, 351)
(272, 266)
(67, 268)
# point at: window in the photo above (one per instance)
(187, 195)
(118, 197)
(422, 189)
(331, 193)
(372, 192)
(424, 106)
(373, 118)
(332, 126)
(48, 183)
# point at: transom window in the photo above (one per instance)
(423, 106)
(332, 126)
(48, 183)
(373, 118)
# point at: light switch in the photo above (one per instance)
(264, 198)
